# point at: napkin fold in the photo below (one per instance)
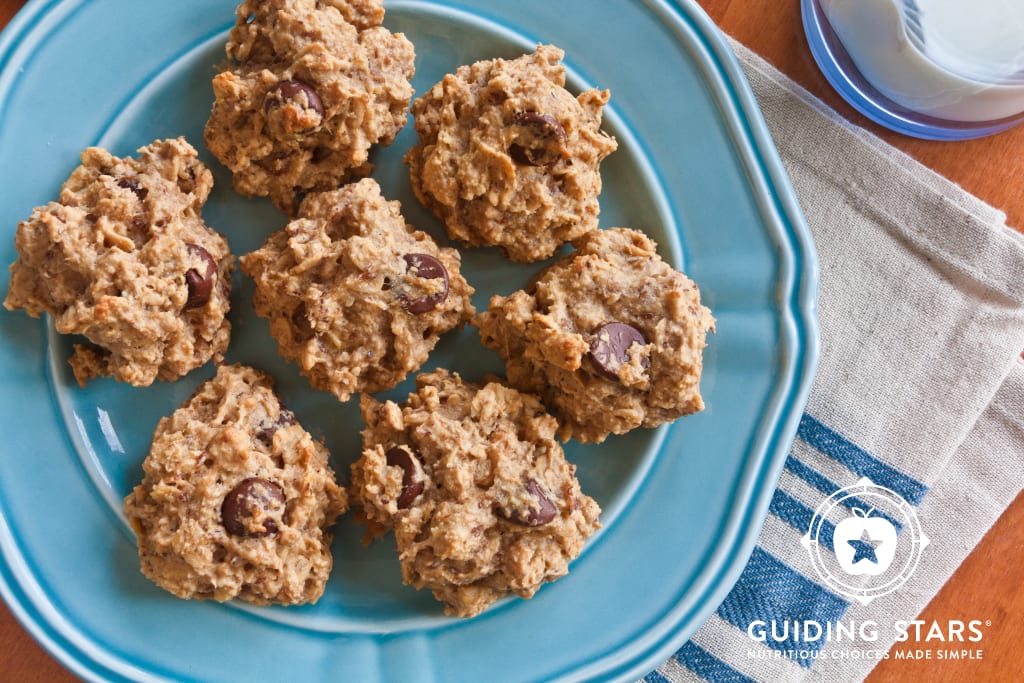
(920, 390)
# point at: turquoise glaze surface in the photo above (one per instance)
(682, 504)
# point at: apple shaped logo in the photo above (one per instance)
(864, 544)
(873, 549)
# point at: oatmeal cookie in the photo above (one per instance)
(508, 157)
(124, 258)
(314, 84)
(476, 489)
(610, 336)
(237, 498)
(354, 295)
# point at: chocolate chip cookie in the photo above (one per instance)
(124, 258)
(354, 295)
(312, 86)
(237, 498)
(476, 489)
(610, 336)
(508, 157)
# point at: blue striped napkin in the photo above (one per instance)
(913, 438)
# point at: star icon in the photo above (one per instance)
(864, 548)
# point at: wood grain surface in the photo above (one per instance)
(989, 583)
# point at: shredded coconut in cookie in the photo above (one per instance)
(508, 157)
(610, 336)
(237, 498)
(124, 258)
(355, 296)
(313, 86)
(476, 489)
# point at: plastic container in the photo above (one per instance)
(934, 69)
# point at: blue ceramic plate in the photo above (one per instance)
(683, 504)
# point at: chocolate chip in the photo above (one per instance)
(609, 349)
(430, 268)
(129, 184)
(539, 139)
(321, 153)
(249, 509)
(289, 91)
(538, 515)
(284, 419)
(412, 473)
(200, 281)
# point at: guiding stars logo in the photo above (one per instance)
(872, 549)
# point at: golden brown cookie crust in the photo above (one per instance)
(508, 157)
(498, 509)
(546, 335)
(234, 429)
(110, 260)
(344, 298)
(315, 84)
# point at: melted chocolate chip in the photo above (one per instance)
(538, 515)
(539, 139)
(412, 473)
(430, 268)
(290, 90)
(129, 184)
(284, 419)
(609, 349)
(249, 509)
(200, 281)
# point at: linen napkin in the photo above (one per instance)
(920, 391)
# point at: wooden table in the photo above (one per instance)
(989, 581)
